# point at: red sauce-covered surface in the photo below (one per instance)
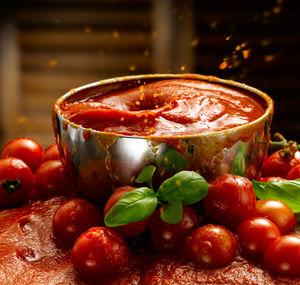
(166, 108)
(29, 254)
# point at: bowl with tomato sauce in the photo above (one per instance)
(108, 131)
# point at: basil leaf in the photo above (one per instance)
(286, 191)
(238, 165)
(172, 214)
(145, 175)
(172, 160)
(188, 187)
(133, 206)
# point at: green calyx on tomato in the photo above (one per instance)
(185, 187)
(286, 191)
(10, 186)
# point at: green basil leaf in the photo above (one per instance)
(172, 160)
(133, 206)
(286, 191)
(188, 187)
(172, 214)
(238, 165)
(146, 174)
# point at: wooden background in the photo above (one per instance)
(50, 46)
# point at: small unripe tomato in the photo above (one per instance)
(212, 246)
(278, 212)
(168, 237)
(230, 200)
(255, 235)
(74, 217)
(99, 252)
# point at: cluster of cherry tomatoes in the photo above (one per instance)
(229, 220)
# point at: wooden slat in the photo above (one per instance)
(79, 39)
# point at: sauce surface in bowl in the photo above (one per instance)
(172, 107)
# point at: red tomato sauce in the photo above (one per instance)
(172, 107)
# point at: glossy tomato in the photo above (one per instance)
(99, 252)
(16, 182)
(51, 153)
(26, 149)
(283, 256)
(279, 165)
(74, 217)
(255, 235)
(278, 212)
(131, 229)
(212, 246)
(294, 173)
(168, 237)
(51, 179)
(271, 178)
(230, 200)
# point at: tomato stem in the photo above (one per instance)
(10, 186)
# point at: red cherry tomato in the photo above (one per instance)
(283, 256)
(74, 217)
(51, 153)
(131, 229)
(272, 178)
(99, 252)
(294, 173)
(278, 165)
(230, 200)
(278, 212)
(51, 179)
(16, 182)
(26, 149)
(212, 246)
(168, 237)
(255, 235)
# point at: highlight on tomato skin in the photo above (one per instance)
(74, 217)
(25, 149)
(255, 235)
(99, 252)
(16, 182)
(283, 256)
(278, 212)
(131, 229)
(211, 245)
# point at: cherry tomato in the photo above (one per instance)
(283, 256)
(74, 217)
(99, 252)
(51, 179)
(230, 200)
(51, 153)
(212, 246)
(168, 237)
(278, 165)
(26, 149)
(255, 235)
(272, 178)
(294, 173)
(131, 229)
(16, 181)
(278, 212)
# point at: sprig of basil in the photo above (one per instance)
(172, 213)
(286, 191)
(145, 175)
(188, 187)
(133, 206)
(185, 187)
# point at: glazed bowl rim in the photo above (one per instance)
(207, 78)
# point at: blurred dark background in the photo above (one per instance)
(50, 46)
